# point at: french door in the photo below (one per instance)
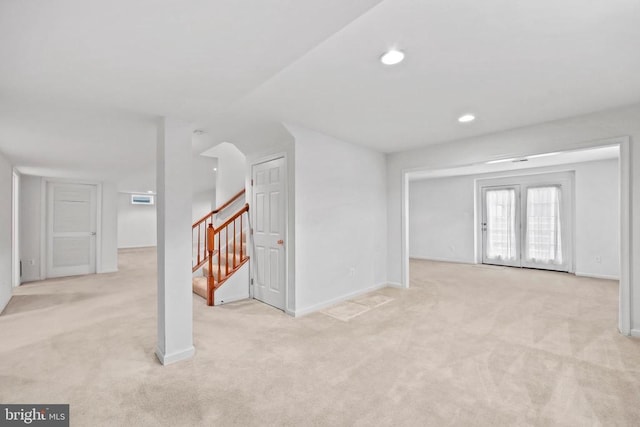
(525, 225)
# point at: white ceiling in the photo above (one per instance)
(81, 82)
(512, 63)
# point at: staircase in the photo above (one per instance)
(219, 250)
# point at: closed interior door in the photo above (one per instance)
(269, 220)
(71, 229)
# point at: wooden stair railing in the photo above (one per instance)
(198, 232)
(216, 235)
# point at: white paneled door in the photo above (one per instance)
(527, 225)
(269, 221)
(71, 229)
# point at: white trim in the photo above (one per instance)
(16, 277)
(405, 272)
(395, 285)
(137, 247)
(333, 301)
(597, 276)
(626, 270)
(624, 314)
(99, 269)
(454, 261)
(287, 289)
(168, 359)
(635, 333)
(43, 229)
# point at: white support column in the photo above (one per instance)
(174, 203)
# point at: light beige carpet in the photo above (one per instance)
(464, 346)
(347, 310)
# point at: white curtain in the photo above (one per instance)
(544, 231)
(501, 224)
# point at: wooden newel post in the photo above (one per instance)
(211, 234)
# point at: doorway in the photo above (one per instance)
(269, 225)
(527, 221)
(71, 229)
(584, 151)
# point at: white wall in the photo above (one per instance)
(136, 224)
(230, 177)
(577, 132)
(6, 184)
(109, 237)
(203, 203)
(30, 226)
(597, 219)
(340, 219)
(441, 217)
(32, 229)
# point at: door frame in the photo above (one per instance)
(289, 292)
(44, 212)
(564, 178)
(624, 233)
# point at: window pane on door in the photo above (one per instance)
(544, 231)
(501, 224)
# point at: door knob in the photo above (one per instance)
(281, 242)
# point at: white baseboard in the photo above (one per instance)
(334, 301)
(455, 261)
(231, 299)
(597, 276)
(635, 333)
(396, 285)
(167, 359)
(137, 247)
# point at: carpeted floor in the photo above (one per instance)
(463, 346)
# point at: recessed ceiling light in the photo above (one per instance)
(215, 169)
(466, 118)
(392, 57)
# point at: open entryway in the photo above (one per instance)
(71, 229)
(560, 211)
(269, 225)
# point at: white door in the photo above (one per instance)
(71, 229)
(545, 243)
(527, 225)
(501, 225)
(269, 221)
